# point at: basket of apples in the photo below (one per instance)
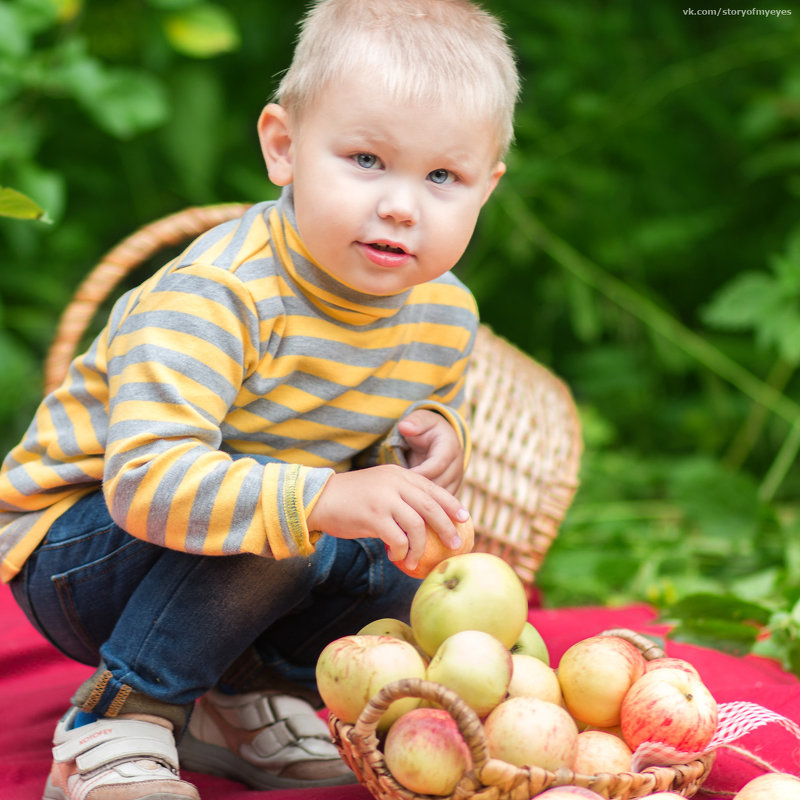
(463, 702)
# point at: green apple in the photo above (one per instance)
(531, 643)
(476, 666)
(471, 591)
(396, 628)
(531, 677)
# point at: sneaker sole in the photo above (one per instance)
(54, 793)
(199, 756)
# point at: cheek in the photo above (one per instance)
(456, 229)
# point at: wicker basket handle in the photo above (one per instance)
(648, 648)
(465, 718)
(114, 266)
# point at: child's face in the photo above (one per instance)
(386, 195)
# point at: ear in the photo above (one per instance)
(274, 133)
(497, 172)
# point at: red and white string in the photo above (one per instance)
(734, 721)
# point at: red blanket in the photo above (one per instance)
(36, 683)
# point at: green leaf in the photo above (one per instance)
(720, 502)
(125, 102)
(192, 137)
(14, 39)
(202, 31)
(743, 302)
(19, 206)
(718, 607)
(172, 5)
(736, 638)
(36, 16)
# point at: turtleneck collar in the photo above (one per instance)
(327, 293)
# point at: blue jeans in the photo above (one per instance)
(164, 626)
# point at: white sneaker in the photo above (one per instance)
(263, 739)
(115, 759)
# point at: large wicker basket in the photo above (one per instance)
(525, 428)
(492, 779)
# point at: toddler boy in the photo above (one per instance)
(218, 487)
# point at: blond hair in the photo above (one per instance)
(427, 51)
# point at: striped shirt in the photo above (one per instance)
(242, 345)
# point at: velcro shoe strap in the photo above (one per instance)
(271, 740)
(304, 726)
(109, 741)
(276, 737)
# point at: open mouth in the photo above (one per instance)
(387, 248)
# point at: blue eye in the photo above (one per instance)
(366, 160)
(441, 176)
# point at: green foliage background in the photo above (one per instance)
(645, 245)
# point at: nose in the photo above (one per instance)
(399, 204)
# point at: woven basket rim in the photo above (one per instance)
(491, 779)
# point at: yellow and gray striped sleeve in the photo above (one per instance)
(175, 366)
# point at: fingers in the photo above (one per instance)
(434, 449)
(390, 503)
(447, 472)
(423, 504)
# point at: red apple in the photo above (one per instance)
(771, 786)
(353, 669)
(476, 666)
(425, 752)
(668, 662)
(599, 751)
(435, 551)
(526, 731)
(471, 591)
(595, 674)
(670, 706)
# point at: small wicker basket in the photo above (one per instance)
(525, 428)
(492, 779)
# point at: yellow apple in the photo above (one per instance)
(353, 669)
(599, 751)
(595, 674)
(526, 731)
(666, 796)
(771, 786)
(435, 551)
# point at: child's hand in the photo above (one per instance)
(390, 503)
(434, 450)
